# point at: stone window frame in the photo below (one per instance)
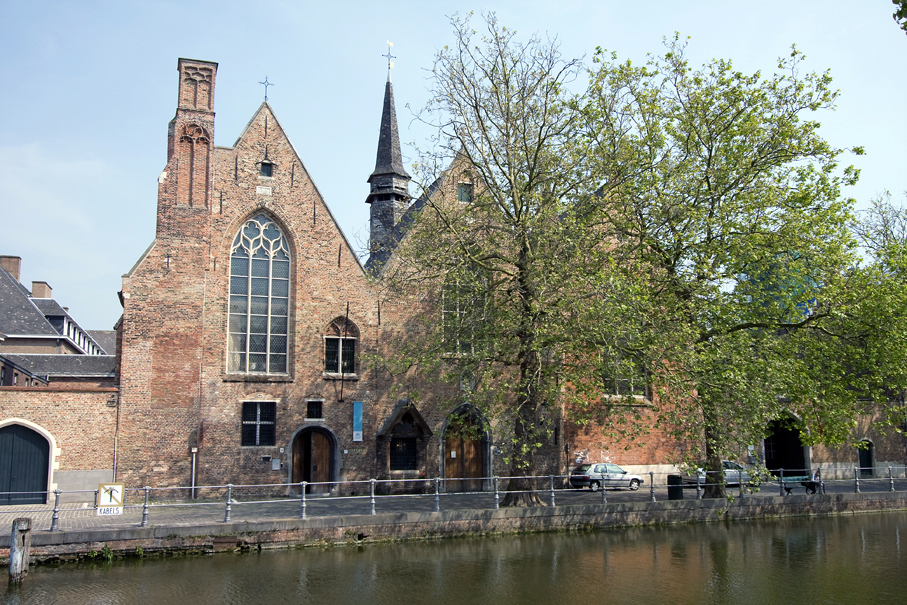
(240, 317)
(310, 408)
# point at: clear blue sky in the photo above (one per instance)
(89, 86)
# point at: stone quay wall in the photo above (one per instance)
(363, 529)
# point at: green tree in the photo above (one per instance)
(490, 253)
(900, 13)
(729, 252)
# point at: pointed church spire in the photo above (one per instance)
(389, 160)
(389, 192)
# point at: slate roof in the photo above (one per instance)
(18, 313)
(106, 339)
(22, 315)
(66, 366)
(49, 306)
(389, 159)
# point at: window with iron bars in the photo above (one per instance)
(259, 423)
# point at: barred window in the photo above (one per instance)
(259, 298)
(259, 420)
(403, 454)
(314, 410)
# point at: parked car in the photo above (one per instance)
(734, 474)
(603, 474)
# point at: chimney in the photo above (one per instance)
(12, 265)
(40, 289)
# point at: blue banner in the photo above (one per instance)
(357, 421)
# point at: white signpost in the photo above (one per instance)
(110, 499)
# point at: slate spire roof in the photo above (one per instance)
(389, 159)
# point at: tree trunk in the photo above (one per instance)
(519, 491)
(526, 425)
(714, 477)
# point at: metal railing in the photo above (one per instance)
(175, 505)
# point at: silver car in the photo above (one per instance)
(603, 474)
(734, 473)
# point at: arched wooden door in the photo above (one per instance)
(312, 460)
(24, 455)
(464, 455)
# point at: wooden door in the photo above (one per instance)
(24, 455)
(312, 460)
(865, 456)
(464, 458)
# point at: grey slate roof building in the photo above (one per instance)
(69, 367)
(39, 324)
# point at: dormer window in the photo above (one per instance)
(266, 170)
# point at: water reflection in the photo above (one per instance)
(831, 560)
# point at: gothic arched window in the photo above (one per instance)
(259, 298)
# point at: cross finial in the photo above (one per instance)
(390, 64)
(266, 84)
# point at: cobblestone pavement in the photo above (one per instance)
(246, 507)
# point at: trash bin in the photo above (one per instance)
(675, 487)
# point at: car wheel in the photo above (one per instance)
(594, 486)
(634, 484)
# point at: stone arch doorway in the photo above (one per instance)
(314, 459)
(466, 457)
(784, 450)
(866, 453)
(24, 460)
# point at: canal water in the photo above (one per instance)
(853, 559)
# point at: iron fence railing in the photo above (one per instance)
(216, 503)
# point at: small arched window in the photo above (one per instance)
(340, 347)
(259, 298)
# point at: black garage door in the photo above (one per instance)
(23, 465)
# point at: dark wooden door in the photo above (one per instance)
(24, 455)
(784, 450)
(866, 459)
(464, 463)
(312, 460)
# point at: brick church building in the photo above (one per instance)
(242, 353)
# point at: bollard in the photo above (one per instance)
(371, 483)
(652, 486)
(229, 496)
(437, 494)
(497, 497)
(740, 481)
(856, 480)
(55, 518)
(144, 522)
(698, 487)
(19, 549)
(890, 480)
(551, 487)
(302, 498)
(781, 480)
